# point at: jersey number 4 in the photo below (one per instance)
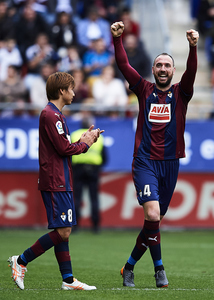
(146, 190)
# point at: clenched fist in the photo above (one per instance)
(117, 29)
(192, 37)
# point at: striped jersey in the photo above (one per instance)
(55, 151)
(162, 114)
(161, 122)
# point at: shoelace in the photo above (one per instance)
(24, 269)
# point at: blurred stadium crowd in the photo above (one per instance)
(39, 37)
(203, 12)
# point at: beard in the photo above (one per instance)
(163, 84)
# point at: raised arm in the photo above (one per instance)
(130, 74)
(188, 77)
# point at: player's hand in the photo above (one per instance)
(91, 135)
(117, 29)
(192, 37)
(97, 133)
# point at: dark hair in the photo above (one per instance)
(57, 81)
(164, 53)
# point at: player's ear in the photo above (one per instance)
(61, 91)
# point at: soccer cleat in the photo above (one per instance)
(161, 279)
(128, 277)
(18, 271)
(77, 285)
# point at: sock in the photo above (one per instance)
(43, 244)
(21, 262)
(63, 258)
(159, 268)
(138, 251)
(152, 234)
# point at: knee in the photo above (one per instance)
(64, 232)
(152, 216)
(151, 211)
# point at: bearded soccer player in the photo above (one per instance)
(55, 182)
(159, 144)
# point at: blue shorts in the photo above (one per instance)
(59, 208)
(155, 180)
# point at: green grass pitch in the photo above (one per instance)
(188, 258)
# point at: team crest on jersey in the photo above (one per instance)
(160, 113)
(63, 217)
(59, 127)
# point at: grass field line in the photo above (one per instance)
(124, 289)
(158, 289)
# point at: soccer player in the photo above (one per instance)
(55, 182)
(159, 143)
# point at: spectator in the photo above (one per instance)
(13, 88)
(71, 61)
(38, 54)
(86, 173)
(63, 31)
(38, 90)
(137, 55)
(44, 8)
(81, 89)
(28, 27)
(64, 5)
(140, 61)
(131, 27)
(194, 8)
(18, 5)
(6, 21)
(107, 9)
(110, 10)
(92, 28)
(205, 24)
(109, 91)
(9, 54)
(205, 16)
(13, 91)
(94, 60)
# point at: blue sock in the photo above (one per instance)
(138, 251)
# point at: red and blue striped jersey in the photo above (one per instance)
(162, 115)
(161, 122)
(55, 151)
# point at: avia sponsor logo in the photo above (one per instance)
(160, 113)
